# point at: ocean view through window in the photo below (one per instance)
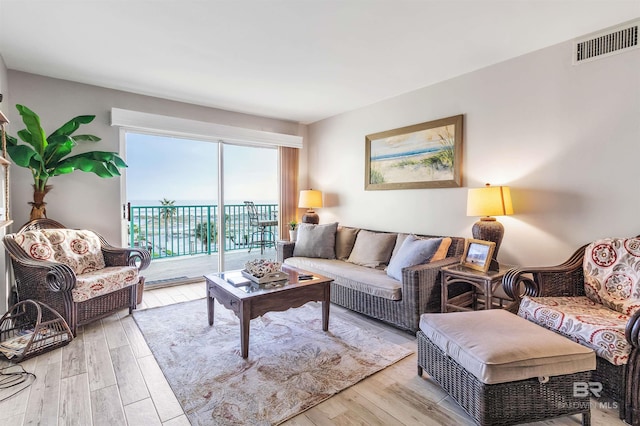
(172, 197)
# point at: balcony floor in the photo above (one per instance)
(183, 269)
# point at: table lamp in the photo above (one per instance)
(487, 202)
(310, 199)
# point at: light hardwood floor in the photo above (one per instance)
(108, 376)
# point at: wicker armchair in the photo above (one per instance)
(567, 280)
(54, 282)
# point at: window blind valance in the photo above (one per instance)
(202, 130)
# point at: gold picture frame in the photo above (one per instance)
(425, 155)
(478, 254)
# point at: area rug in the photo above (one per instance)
(292, 364)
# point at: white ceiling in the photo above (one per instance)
(300, 60)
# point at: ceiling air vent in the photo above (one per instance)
(610, 42)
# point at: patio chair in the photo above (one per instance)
(75, 272)
(594, 299)
(262, 235)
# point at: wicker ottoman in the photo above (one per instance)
(503, 369)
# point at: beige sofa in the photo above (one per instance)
(393, 277)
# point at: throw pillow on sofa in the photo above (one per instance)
(443, 249)
(372, 249)
(345, 239)
(440, 254)
(414, 251)
(316, 241)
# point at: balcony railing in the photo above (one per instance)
(170, 231)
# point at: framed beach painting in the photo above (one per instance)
(426, 155)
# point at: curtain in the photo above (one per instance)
(288, 198)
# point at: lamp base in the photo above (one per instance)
(494, 265)
(311, 217)
(489, 229)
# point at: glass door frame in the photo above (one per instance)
(125, 221)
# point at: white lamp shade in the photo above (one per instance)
(489, 201)
(310, 199)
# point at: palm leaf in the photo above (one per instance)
(11, 141)
(30, 119)
(113, 169)
(73, 125)
(63, 170)
(25, 135)
(57, 151)
(103, 156)
(21, 154)
(86, 163)
(86, 138)
(58, 139)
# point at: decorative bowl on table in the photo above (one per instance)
(264, 271)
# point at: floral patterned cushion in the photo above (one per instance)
(79, 249)
(612, 273)
(103, 281)
(582, 320)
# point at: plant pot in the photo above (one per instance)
(293, 235)
(38, 210)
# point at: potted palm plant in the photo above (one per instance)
(49, 156)
(293, 230)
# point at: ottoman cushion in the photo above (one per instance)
(499, 347)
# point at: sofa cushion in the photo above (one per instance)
(443, 249)
(345, 239)
(316, 240)
(367, 280)
(81, 250)
(414, 251)
(103, 281)
(582, 320)
(372, 249)
(440, 254)
(499, 347)
(612, 273)
(399, 240)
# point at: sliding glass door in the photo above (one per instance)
(250, 175)
(173, 192)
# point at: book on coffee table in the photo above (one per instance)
(236, 279)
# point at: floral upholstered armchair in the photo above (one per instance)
(594, 299)
(76, 272)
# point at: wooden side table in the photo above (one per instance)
(482, 290)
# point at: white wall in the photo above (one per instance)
(565, 138)
(83, 200)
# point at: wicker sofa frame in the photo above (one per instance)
(421, 291)
(620, 383)
(51, 282)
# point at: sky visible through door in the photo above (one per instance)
(185, 171)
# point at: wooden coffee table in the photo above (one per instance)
(251, 302)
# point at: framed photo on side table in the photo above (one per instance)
(478, 254)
